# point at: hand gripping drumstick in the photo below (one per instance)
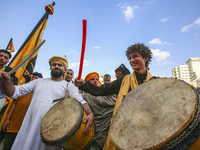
(83, 48)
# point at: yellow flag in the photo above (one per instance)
(23, 74)
(5, 109)
(10, 46)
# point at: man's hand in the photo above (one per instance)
(88, 120)
(6, 85)
(114, 98)
(79, 82)
(5, 125)
(89, 123)
(4, 77)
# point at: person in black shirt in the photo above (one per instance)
(139, 57)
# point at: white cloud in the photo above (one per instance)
(188, 27)
(197, 22)
(76, 64)
(96, 47)
(160, 56)
(129, 11)
(151, 2)
(164, 20)
(157, 41)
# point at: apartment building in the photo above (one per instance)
(190, 72)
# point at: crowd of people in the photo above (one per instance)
(44, 91)
(32, 100)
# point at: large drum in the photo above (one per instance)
(159, 114)
(63, 125)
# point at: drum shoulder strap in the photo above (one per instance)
(67, 91)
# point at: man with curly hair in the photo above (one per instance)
(139, 57)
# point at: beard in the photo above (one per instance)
(56, 74)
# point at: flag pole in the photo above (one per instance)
(23, 74)
(33, 31)
(25, 60)
(83, 48)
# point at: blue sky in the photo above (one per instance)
(171, 28)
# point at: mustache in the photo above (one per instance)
(56, 69)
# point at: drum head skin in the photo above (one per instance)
(61, 120)
(152, 114)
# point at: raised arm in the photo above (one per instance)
(104, 90)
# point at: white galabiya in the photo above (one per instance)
(45, 91)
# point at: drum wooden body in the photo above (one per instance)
(159, 114)
(63, 125)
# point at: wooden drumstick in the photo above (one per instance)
(83, 48)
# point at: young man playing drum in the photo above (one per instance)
(139, 57)
(45, 91)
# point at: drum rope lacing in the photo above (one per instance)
(72, 133)
(191, 131)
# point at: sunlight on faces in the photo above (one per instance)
(69, 75)
(94, 81)
(4, 58)
(137, 62)
(106, 80)
(57, 69)
(34, 77)
(118, 74)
